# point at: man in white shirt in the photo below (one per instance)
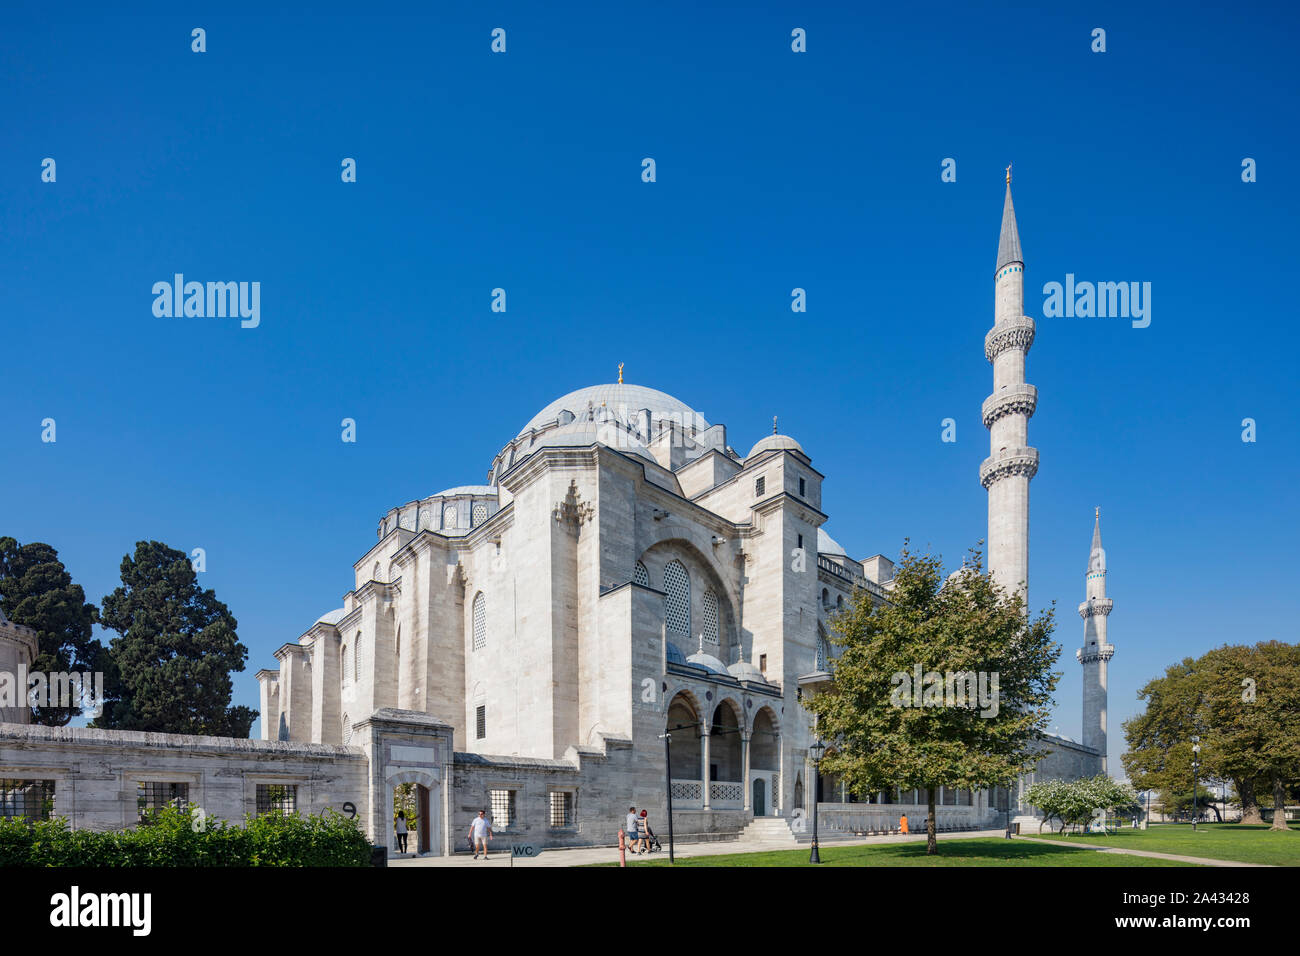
(480, 832)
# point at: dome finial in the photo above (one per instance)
(620, 373)
(774, 425)
(1008, 174)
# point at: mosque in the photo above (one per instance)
(627, 607)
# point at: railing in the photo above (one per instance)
(727, 794)
(688, 793)
(857, 580)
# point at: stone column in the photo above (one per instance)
(704, 768)
(744, 770)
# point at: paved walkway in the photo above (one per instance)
(607, 854)
(1203, 861)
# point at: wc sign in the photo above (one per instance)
(525, 851)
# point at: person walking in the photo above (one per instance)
(479, 833)
(643, 831)
(630, 827)
(401, 831)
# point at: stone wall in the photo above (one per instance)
(96, 772)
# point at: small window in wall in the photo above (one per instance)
(480, 721)
(480, 514)
(640, 575)
(480, 621)
(346, 673)
(449, 516)
(802, 487)
(762, 663)
(800, 541)
(347, 730)
(710, 617)
(561, 808)
(760, 486)
(356, 657)
(26, 799)
(277, 799)
(152, 795)
(503, 808)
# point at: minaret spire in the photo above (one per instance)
(1096, 652)
(1011, 464)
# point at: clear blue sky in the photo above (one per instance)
(775, 170)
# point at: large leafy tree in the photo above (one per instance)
(1243, 702)
(175, 650)
(36, 590)
(963, 625)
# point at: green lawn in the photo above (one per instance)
(967, 852)
(1215, 841)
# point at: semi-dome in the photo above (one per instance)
(618, 401)
(581, 434)
(829, 546)
(744, 670)
(466, 490)
(775, 443)
(332, 617)
(708, 662)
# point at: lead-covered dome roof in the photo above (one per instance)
(621, 402)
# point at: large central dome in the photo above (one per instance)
(620, 401)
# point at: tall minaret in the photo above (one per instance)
(1095, 653)
(1011, 463)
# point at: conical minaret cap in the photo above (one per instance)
(1097, 555)
(1009, 241)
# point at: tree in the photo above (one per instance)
(1243, 702)
(927, 647)
(175, 651)
(36, 590)
(1078, 802)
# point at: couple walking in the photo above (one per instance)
(639, 835)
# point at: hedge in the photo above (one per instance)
(174, 838)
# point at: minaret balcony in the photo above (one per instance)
(1007, 463)
(1015, 334)
(1097, 607)
(1091, 655)
(1012, 400)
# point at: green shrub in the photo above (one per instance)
(169, 839)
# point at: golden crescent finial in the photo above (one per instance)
(1008, 174)
(620, 373)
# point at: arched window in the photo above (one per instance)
(839, 602)
(480, 514)
(677, 598)
(826, 597)
(480, 621)
(710, 617)
(356, 657)
(344, 663)
(449, 516)
(375, 574)
(640, 575)
(347, 730)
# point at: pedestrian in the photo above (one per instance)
(643, 831)
(401, 831)
(479, 833)
(630, 828)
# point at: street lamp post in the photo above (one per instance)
(817, 750)
(668, 783)
(1196, 767)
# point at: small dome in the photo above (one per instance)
(775, 443)
(828, 545)
(744, 670)
(333, 617)
(708, 662)
(674, 653)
